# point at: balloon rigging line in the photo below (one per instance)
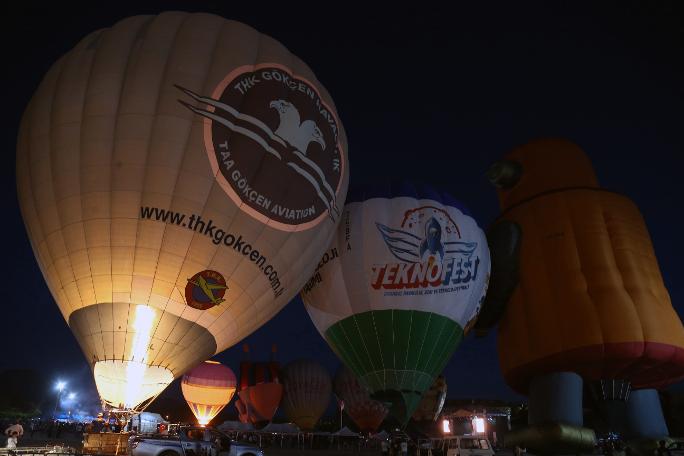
(217, 104)
(232, 126)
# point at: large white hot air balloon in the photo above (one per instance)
(179, 176)
(402, 283)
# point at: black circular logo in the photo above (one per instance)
(274, 145)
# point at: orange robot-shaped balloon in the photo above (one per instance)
(590, 298)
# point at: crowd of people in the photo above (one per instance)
(618, 448)
(311, 441)
(39, 432)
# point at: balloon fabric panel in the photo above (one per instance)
(307, 389)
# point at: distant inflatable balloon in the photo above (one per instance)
(307, 391)
(366, 413)
(207, 389)
(179, 176)
(403, 281)
(242, 411)
(432, 402)
(259, 393)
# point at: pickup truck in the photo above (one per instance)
(457, 445)
(190, 441)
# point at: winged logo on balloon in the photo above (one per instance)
(409, 247)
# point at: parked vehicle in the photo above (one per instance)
(676, 447)
(190, 441)
(457, 445)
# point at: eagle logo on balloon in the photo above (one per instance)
(292, 134)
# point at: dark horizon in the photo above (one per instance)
(429, 96)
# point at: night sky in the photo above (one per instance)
(434, 96)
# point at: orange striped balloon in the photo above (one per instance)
(207, 389)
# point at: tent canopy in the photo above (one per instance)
(346, 432)
(382, 435)
(281, 428)
(235, 426)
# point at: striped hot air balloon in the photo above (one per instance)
(307, 391)
(432, 402)
(207, 389)
(365, 412)
(260, 391)
(403, 281)
(179, 176)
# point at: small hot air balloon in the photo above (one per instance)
(260, 391)
(208, 388)
(179, 176)
(307, 390)
(591, 305)
(432, 402)
(401, 284)
(366, 413)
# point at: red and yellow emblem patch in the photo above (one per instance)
(205, 290)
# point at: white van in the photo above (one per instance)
(458, 445)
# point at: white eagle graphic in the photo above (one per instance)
(291, 131)
(297, 133)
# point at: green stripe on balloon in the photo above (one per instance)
(397, 354)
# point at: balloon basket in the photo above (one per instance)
(105, 443)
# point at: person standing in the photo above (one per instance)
(385, 447)
(13, 433)
(12, 441)
(662, 449)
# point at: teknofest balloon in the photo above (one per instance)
(179, 176)
(401, 284)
